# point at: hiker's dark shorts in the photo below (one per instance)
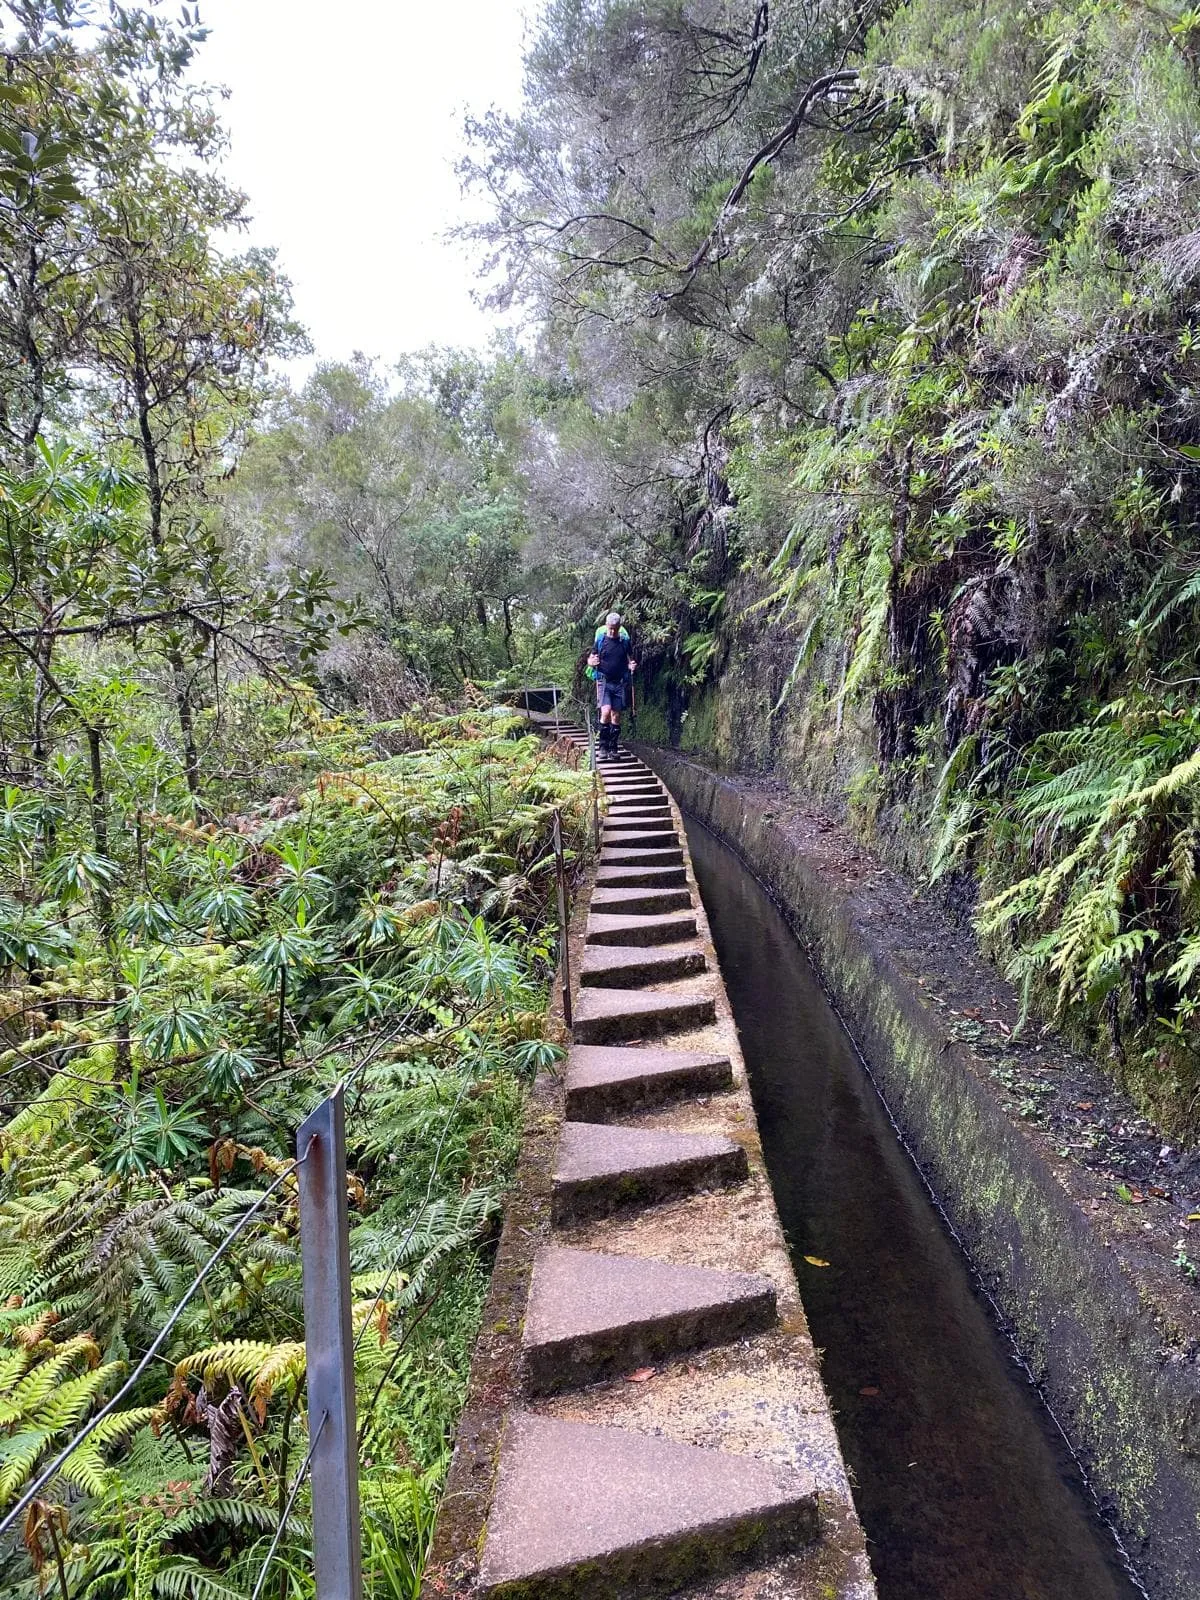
(612, 695)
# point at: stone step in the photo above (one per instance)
(624, 854)
(605, 1081)
(605, 929)
(668, 840)
(630, 780)
(629, 797)
(666, 877)
(610, 966)
(601, 1168)
(611, 1016)
(640, 902)
(592, 1316)
(659, 822)
(583, 1512)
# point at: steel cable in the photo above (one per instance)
(50, 1472)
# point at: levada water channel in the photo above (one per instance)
(965, 1487)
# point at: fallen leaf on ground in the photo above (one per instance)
(642, 1375)
(815, 1261)
(869, 1389)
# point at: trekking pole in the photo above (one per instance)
(560, 872)
(595, 809)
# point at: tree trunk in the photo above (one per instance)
(103, 898)
(154, 492)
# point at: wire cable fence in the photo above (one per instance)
(51, 1471)
(289, 1505)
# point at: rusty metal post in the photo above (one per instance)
(329, 1344)
(560, 872)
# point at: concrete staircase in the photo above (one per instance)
(591, 1501)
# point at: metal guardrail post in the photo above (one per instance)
(329, 1343)
(560, 872)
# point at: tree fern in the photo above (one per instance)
(44, 1398)
(259, 1364)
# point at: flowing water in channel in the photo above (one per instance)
(965, 1488)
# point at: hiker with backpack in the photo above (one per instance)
(612, 665)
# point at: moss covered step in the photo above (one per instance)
(668, 929)
(613, 1015)
(601, 1168)
(589, 1513)
(646, 877)
(612, 966)
(640, 902)
(606, 1081)
(592, 1316)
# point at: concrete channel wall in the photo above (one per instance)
(1109, 1328)
(646, 1413)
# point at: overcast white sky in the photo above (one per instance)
(345, 121)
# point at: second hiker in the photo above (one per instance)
(613, 665)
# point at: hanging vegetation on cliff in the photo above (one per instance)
(885, 322)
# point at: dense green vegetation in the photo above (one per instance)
(860, 370)
(258, 835)
(881, 326)
(175, 1005)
